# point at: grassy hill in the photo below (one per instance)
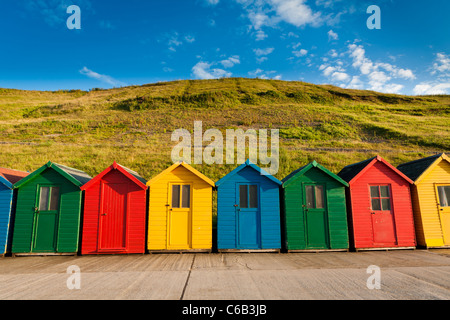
(133, 125)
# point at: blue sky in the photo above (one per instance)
(136, 42)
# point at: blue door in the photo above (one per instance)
(248, 217)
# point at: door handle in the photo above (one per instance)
(105, 214)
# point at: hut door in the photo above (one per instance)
(179, 216)
(113, 217)
(46, 219)
(316, 217)
(382, 215)
(248, 217)
(444, 211)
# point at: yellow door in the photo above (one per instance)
(443, 192)
(179, 216)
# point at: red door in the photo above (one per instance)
(113, 217)
(382, 216)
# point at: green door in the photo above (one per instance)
(46, 219)
(316, 217)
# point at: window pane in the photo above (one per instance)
(243, 196)
(385, 192)
(386, 204)
(253, 196)
(310, 197)
(319, 197)
(54, 200)
(444, 196)
(376, 204)
(175, 196)
(374, 192)
(186, 197)
(43, 201)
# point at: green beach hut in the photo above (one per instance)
(314, 210)
(48, 211)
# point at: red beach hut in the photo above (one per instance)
(114, 212)
(379, 204)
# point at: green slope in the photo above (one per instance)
(133, 125)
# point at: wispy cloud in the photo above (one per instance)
(175, 40)
(270, 13)
(54, 12)
(440, 70)
(332, 35)
(204, 70)
(101, 77)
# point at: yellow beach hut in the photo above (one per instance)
(180, 210)
(431, 199)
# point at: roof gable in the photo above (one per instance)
(187, 167)
(352, 172)
(77, 177)
(418, 169)
(130, 174)
(5, 182)
(261, 171)
(301, 171)
(13, 176)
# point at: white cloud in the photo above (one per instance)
(263, 52)
(332, 35)
(260, 35)
(231, 61)
(356, 83)
(441, 66)
(300, 53)
(340, 76)
(189, 39)
(261, 74)
(101, 77)
(426, 88)
(175, 40)
(212, 2)
(269, 13)
(203, 70)
(328, 71)
(296, 12)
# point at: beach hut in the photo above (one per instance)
(431, 199)
(379, 206)
(114, 216)
(7, 206)
(248, 210)
(48, 211)
(314, 210)
(180, 210)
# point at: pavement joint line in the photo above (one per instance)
(187, 279)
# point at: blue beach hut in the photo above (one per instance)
(7, 206)
(248, 210)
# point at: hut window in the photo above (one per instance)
(315, 196)
(243, 196)
(175, 196)
(444, 196)
(186, 196)
(49, 199)
(248, 196)
(181, 196)
(253, 195)
(319, 197)
(380, 197)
